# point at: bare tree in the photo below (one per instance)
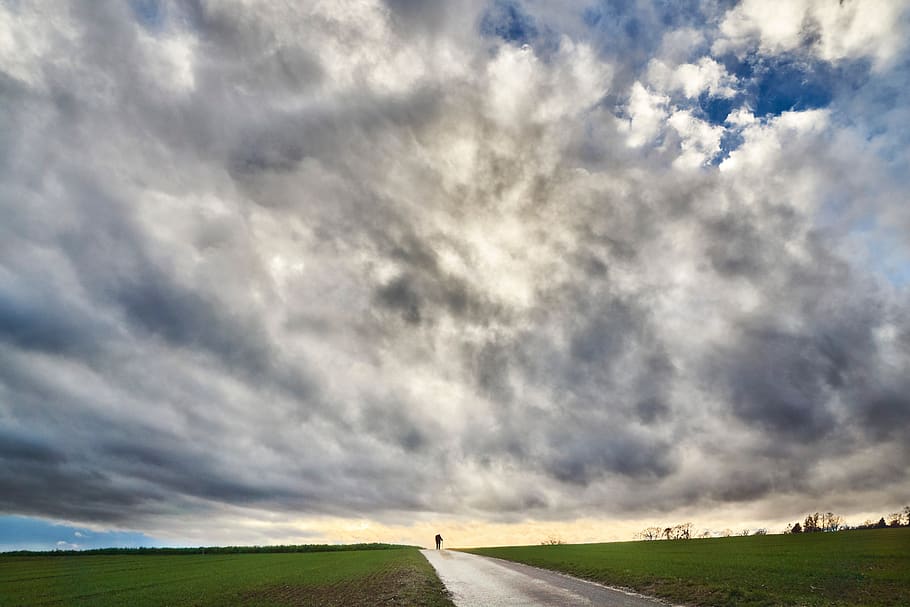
(831, 521)
(895, 519)
(553, 541)
(760, 531)
(838, 522)
(650, 533)
(907, 515)
(668, 532)
(683, 531)
(811, 523)
(705, 533)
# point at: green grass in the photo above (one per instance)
(388, 577)
(869, 567)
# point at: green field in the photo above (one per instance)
(387, 577)
(869, 567)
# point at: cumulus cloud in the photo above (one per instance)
(832, 31)
(396, 260)
(693, 79)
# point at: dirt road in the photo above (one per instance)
(477, 581)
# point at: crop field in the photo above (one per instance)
(358, 578)
(868, 567)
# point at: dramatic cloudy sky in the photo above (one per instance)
(366, 270)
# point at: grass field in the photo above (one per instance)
(386, 577)
(869, 567)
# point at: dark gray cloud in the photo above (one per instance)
(493, 261)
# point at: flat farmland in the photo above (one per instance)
(388, 577)
(868, 567)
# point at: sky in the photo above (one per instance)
(339, 271)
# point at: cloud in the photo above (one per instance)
(693, 79)
(648, 115)
(399, 261)
(833, 32)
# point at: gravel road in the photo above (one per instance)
(478, 581)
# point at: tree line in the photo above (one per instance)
(827, 521)
(683, 531)
(213, 550)
(815, 522)
(831, 522)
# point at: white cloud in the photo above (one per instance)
(700, 140)
(29, 39)
(740, 117)
(678, 45)
(169, 60)
(520, 87)
(648, 112)
(692, 79)
(513, 76)
(766, 139)
(833, 30)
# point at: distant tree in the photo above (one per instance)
(681, 532)
(668, 532)
(760, 531)
(810, 525)
(650, 533)
(895, 519)
(796, 528)
(867, 524)
(881, 524)
(831, 521)
(907, 515)
(705, 533)
(553, 541)
(726, 533)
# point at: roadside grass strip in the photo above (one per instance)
(863, 567)
(399, 577)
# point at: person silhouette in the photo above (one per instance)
(438, 542)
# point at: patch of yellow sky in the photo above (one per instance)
(466, 533)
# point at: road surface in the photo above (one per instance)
(478, 581)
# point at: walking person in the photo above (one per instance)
(438, 542)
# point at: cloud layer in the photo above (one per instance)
(382, 260)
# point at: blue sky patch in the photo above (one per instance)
(729, 141)
(789, 82)
(793, 85)
(716, 109)
(26, 533)
(150, 13)
(509, 21)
